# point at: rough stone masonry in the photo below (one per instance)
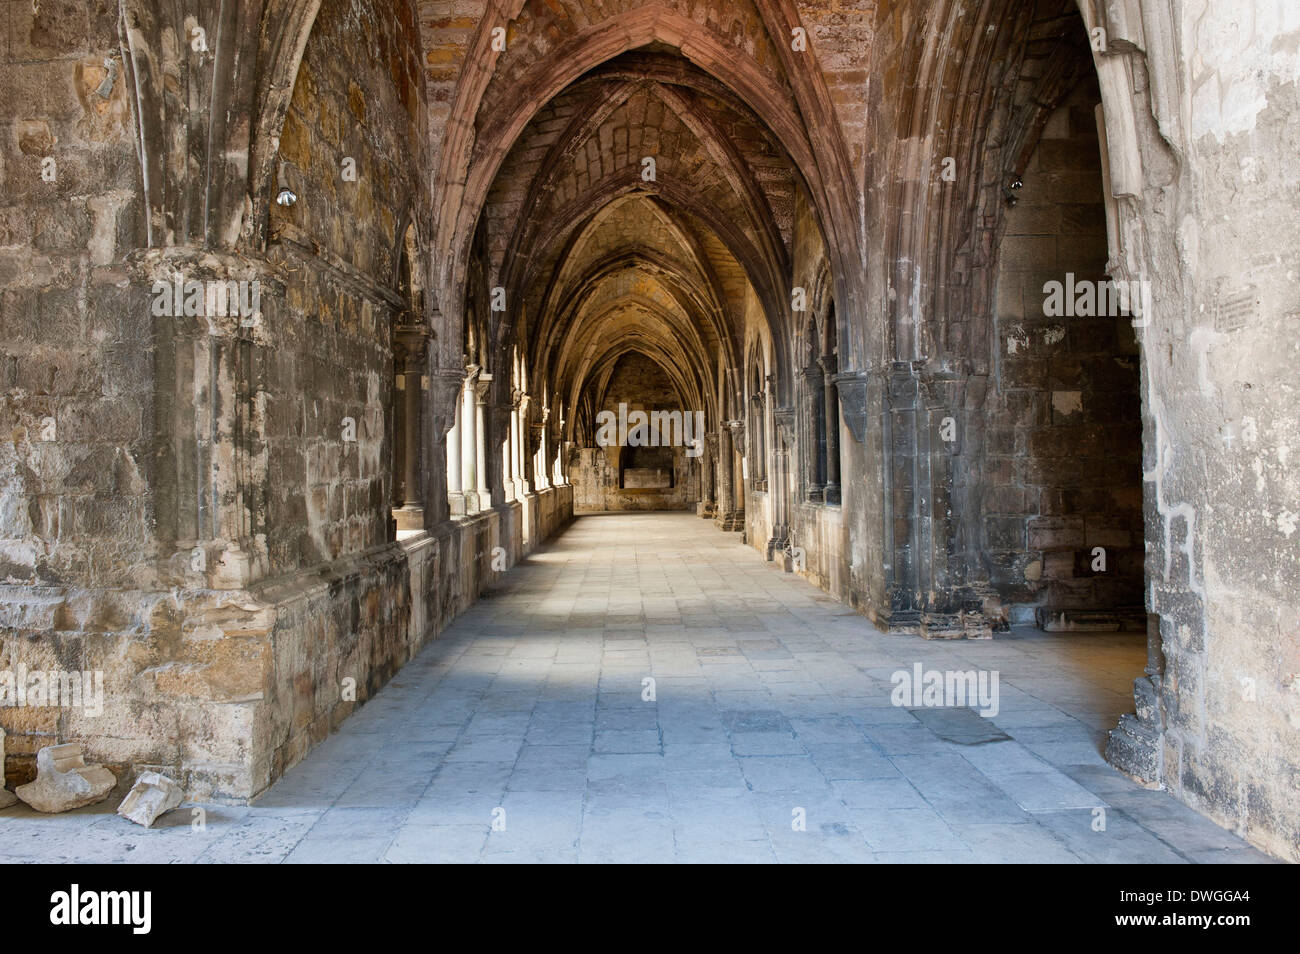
(309, 310)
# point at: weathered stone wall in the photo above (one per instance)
(347, 147)
(349, 606)
(594, 473)
(758, 518)
(638, 384)
(151, 457)
(833, 543)
(1220, 379)
(1061, 472)
(328, 592)
(76, 402)
(821, 546)
(1200, 180)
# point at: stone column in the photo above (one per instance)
(412, 340)
(469, 443)
(728, 517)
(536, 477)
(522, 488)
(758, 450)
(831, 492)
(443, 404)
(559, 455)
(724, 484)
(812, 457)
(509, 474)
(501, 485)
(707, 508)
(481, 388)
(212, 451)
(541, 464)
(778, 547)
(739, 436)
(455, 493)
(508, 457)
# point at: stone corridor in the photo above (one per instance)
(522, 734)
(958, 324)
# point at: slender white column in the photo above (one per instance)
(480, 425)
(507, 463)
(468, 448)
(516, 453)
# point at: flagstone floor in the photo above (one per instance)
(648, 689)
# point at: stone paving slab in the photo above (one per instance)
(527, 733)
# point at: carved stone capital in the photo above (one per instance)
(737, 429)
(412, 347)
(785, 424)
(852, 388)
(447, 386)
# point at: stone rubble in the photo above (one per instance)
(152, 796)
(64, 781)
(7, 797)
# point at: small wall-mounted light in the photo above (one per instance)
(105, 89)
(286, 198)
(1009, 193)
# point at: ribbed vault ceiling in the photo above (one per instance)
(638, 211)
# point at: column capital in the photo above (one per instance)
(852, 388)
(784, 417)
(447, 384)
(737, 429)
(412, 345)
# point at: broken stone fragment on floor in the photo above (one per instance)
(64, 781)
(7, 797)
(151, 796)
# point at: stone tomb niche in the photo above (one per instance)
(645, 468)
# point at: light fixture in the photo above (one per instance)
(287, 197)
(105, 89)
(1010, 193)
